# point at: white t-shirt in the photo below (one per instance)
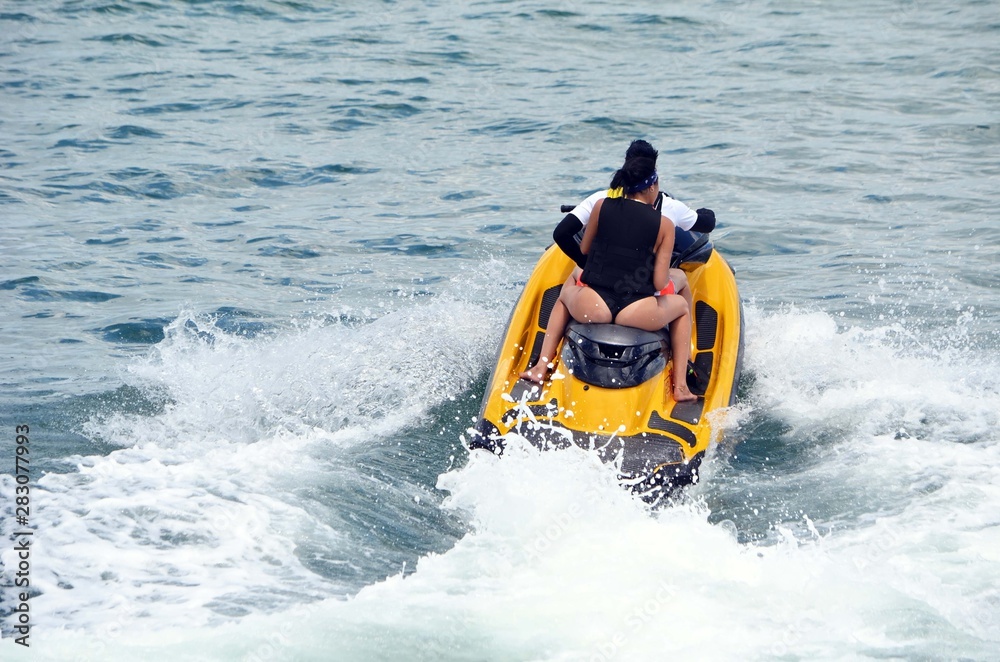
(683, 216)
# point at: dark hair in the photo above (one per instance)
(638, 149)
(634, 171)
(641, 148)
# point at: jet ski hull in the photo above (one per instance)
(655, 443)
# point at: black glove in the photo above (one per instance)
(705, 222)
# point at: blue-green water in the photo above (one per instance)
(255, 258)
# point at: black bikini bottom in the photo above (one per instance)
(617, 302)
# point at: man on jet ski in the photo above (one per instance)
(626, 251)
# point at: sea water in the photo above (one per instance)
(256, 256)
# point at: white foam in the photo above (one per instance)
(369, 378)
(809, 371)
(892, 556)
(561, 564)
(197, 518)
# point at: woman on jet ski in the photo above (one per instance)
(628, 245)
(702, 220)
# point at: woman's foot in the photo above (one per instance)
(537, 373)
(683, 394)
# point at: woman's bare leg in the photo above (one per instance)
(680, 280)
(680, 349)
(680, 338)
(583, 304)
(558, 319)
(652, 314)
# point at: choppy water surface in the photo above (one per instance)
(256, 257)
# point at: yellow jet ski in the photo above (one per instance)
(609, 390)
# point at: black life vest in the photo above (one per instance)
(621, 256)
